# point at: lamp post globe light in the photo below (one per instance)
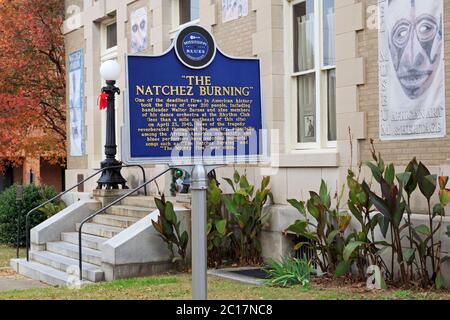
(111, 178)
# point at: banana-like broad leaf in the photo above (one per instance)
(324, 194)
(439, 281)
(159, 204)
(408, 255)
(411, 186)
(423, 229)
(350, 248)
(331, 237)
(230, 205)
(298, 227)
(389, 175)
(403, 178)
(341, 269)
(221, 226)
(376, 172)
(426, 181)
(170, 213)
(381, 206)
(299, 205)
(313, 210)
(230, 182)
(355, 212)
(184, 239)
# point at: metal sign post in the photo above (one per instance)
(199, 251)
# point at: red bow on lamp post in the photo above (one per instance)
(102, 101)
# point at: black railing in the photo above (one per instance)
(80, 253)
(27, 221)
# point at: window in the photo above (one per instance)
(313, 75)
(108, 40)
(185, 11)
(111, 35)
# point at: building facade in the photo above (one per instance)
(324, 88)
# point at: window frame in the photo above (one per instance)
(176, 26)
(111, 53)
(321, 81)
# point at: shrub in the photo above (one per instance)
(50, 209)
(246, 215)
(219, 242)
(419, 263)
(168, 228)
(288, 272)
(424, 251)
(10, 210)
(325, 232)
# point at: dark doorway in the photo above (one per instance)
(6, 179)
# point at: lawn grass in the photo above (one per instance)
(7, 253)
(178, 286)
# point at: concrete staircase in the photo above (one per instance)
(49, 263)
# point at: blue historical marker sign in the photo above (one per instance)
(193, 102)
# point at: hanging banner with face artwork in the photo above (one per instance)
(411, 69)
(139, 36)
(76, 103)
(234, 9)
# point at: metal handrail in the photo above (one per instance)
(27, 222)
(80, 253)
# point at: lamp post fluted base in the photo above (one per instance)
(111, 178)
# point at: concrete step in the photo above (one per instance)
(115, 221)
(91, 272)
(41, 272)
(100, 230)
(130, 211)
(88, 240)
(140, 201)
(71, 250)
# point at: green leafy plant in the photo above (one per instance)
(391, 205)
(50, 209)
(363, 249)
(218, 227)
(424, 251)
(11, 210)
(289, 272)
(325, 232)
(168, 227)
(245, 206)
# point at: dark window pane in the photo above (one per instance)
(189, 10)
(111, 36)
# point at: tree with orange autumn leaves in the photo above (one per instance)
(32, 81)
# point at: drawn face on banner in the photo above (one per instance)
(139, 30)
(415, 43)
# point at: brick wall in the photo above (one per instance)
(235, 37)
(432, 152)
(51, 175)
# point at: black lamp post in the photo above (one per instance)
(111, 178)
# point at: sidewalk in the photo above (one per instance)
(9, 280)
